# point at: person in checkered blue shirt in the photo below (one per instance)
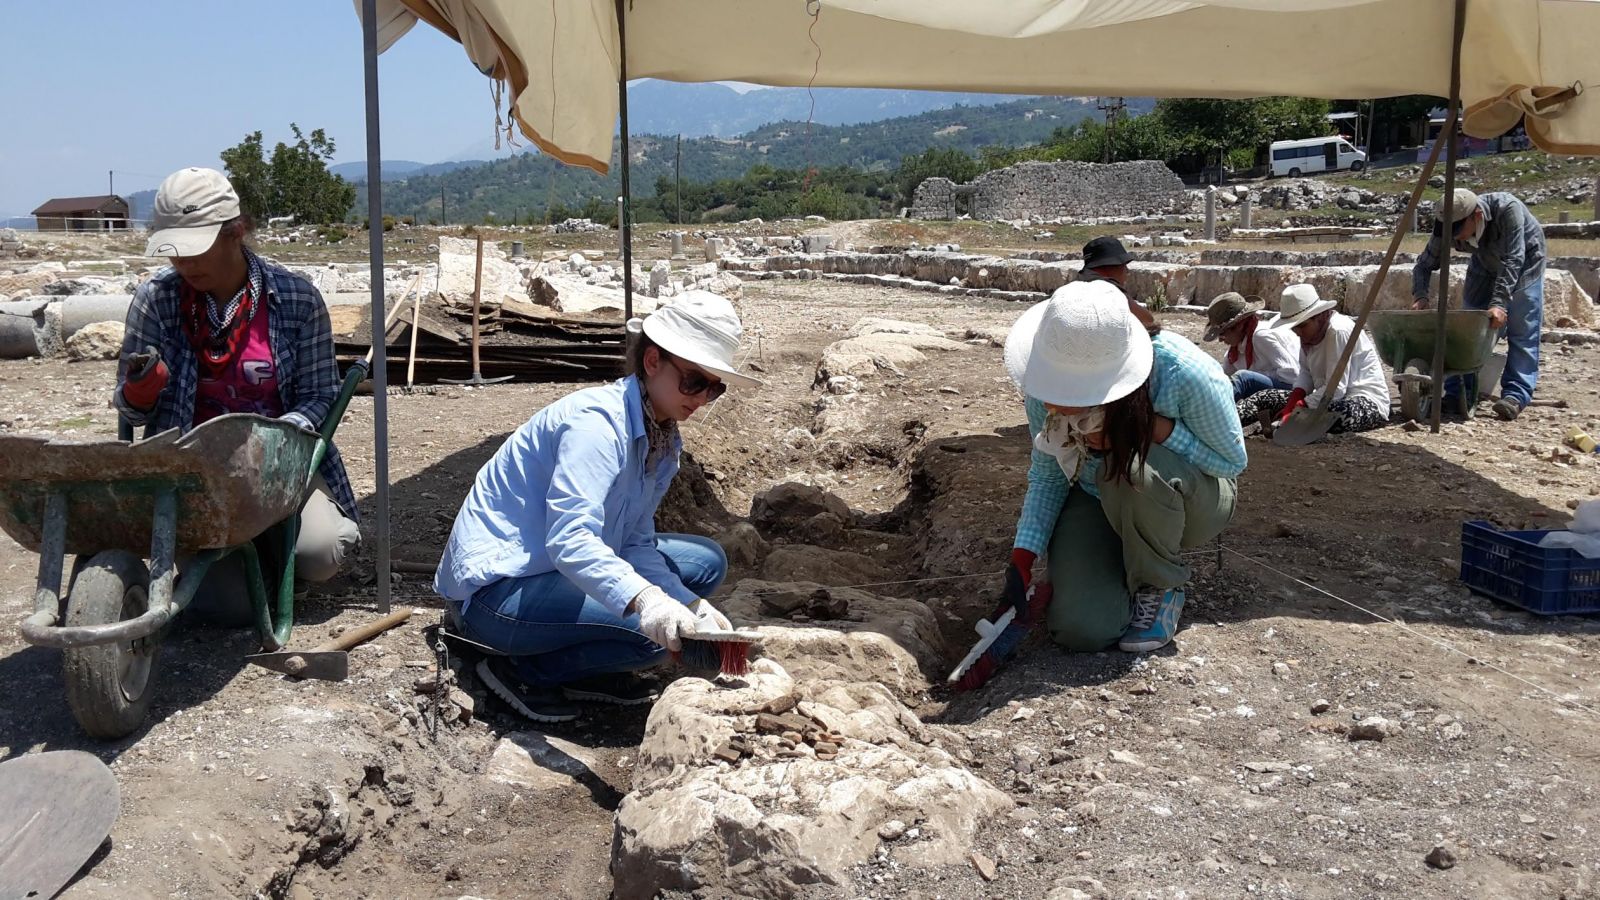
(1137, 446)
(224, 331)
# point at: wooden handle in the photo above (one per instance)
(366, 632)
(388, 320)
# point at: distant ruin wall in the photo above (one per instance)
(1056, 190)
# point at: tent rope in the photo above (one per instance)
(814, 10)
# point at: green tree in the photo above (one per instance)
(1211, 128)
(295, 182)
(247, 170)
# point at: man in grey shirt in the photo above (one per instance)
(1505, 276)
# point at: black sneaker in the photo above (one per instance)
(620, 689)
(541, 704)
(1508, 408)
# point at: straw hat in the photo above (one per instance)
(1300, 302)
(702, 328)
(1082, 347)
(1226, 311)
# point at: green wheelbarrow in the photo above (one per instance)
(200, 496)
(1406, 339)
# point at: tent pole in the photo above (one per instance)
(626, 225)
(1447, 233)
(380, 366)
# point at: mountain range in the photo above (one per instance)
(528, 183)
(724, 133)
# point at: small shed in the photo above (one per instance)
(107, 212)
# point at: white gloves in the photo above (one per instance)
(663, 619)
(707, 618)
(298, 419)
(667, 622)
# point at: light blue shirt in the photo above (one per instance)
(1188, 387)
(568, 492)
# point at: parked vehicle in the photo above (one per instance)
(1324, 154)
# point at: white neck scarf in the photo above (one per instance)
(1063, 437)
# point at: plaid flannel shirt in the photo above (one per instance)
(302, 351)
(1188, 387)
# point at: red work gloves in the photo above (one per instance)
(1297, 400)
(147, 377)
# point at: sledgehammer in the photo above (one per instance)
(330, 661)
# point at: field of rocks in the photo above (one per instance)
(1339, 717)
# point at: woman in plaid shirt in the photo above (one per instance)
(1136, 448)
(224, 331)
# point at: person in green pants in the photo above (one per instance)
(1136, 448)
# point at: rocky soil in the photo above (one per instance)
(1288, 745)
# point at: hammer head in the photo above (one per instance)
(327, 665)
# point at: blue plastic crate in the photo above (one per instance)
(1510, 566)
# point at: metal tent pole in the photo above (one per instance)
(1447, 232)
(380, 366)
(626, 225)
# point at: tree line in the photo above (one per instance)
(770, 173)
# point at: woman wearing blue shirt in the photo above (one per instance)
(1136, 446)
(554, 559)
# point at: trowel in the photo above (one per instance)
(330, 661)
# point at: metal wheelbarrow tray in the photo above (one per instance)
(234, 476)
(226, 486)
(1406, 339)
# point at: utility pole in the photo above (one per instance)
(1112, 107)
(677, 183)
(442, 220)
(111, 182)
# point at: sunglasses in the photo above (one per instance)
(694, 383)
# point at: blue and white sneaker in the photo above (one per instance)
(1155, 620)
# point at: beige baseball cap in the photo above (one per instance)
(191, 206)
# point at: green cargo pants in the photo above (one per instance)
(1131, 537)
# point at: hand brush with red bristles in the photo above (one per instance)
(1001, 634)
(714, 649)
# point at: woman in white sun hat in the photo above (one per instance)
(1136, 446)
(1360, 399)
(554, 559)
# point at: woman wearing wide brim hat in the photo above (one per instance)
(554, 559)
(1360, 399)
(1135, 450)
(1259, 357)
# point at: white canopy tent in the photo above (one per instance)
(563, 62)
(560, 58)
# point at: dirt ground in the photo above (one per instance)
(1199, 771)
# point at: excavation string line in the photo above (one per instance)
(1444, 645)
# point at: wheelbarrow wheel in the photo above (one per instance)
(1411, 391)
(109, 686)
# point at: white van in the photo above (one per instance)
(1324, 154)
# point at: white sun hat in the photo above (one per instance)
(190, 207)
(1300, 302)
(702, 328)
(1082, 347)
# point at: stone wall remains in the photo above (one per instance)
(1057, 190)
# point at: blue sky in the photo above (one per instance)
(143, 88)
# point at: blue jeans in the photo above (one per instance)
(1524, 316)
(1246, 382)
(556, 635)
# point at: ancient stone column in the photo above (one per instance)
(1211, 213)
(677, 245)
(713, 249)
(1244, 209)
